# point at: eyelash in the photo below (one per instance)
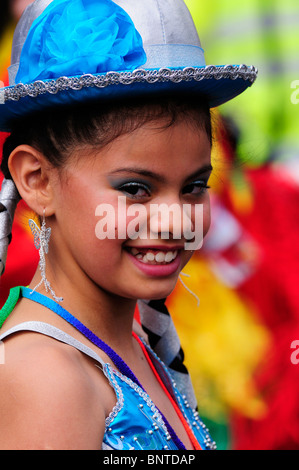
(134, 185)
(202, 185)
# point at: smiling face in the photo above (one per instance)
(153, 165)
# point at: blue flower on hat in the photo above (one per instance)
(80, 36)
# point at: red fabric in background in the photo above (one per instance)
(22, 256)
(274, 223)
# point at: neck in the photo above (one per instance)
(108, 316)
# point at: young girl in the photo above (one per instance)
(109, 114)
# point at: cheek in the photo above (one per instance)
(102, 261)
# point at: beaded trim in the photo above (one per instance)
(142, 395)
(119, 395)
(40, 87)
(196, 421)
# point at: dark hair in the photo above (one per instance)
(5, 17)
(56, 132)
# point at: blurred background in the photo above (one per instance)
(237, 342)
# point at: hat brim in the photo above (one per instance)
(218, 84)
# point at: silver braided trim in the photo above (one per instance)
(39, 87)
(164, 340)
(9, 198)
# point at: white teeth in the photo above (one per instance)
(160, 257)
(169, 256)
(150, 257)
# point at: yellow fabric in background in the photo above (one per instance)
(222, 340)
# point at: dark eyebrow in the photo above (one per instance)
(204, 169)
(139, 171)
(156, 176)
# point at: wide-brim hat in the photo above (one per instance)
(67, 52)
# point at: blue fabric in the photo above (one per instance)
(59, 310)
(116, 359)
(77, 37)
(136, 424)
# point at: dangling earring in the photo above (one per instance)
(41, 242)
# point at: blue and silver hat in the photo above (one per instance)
(72, 51)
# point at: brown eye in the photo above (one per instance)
(135, 190)
(196, 188)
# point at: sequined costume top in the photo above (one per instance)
(134, 423)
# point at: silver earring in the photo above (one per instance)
(41, 242)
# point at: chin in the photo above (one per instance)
(156, 294)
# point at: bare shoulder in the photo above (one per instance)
(48, 396)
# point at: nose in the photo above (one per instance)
(166, 220)
(172, 220)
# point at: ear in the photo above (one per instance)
(32, 174)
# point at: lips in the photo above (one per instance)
(153, 256)
(156, 261)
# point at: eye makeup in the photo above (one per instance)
(200, 187)
(142, 183)
(132, 187)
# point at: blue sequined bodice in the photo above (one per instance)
(136, 424)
